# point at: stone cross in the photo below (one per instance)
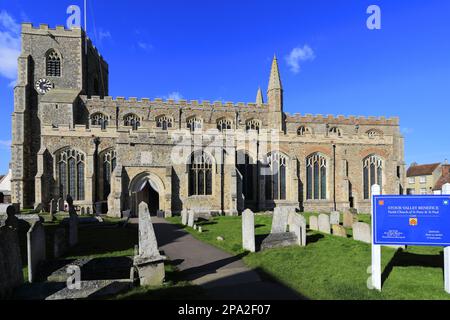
(248, 230)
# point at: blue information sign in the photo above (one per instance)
(411, 220)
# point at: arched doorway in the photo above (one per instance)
(149, 188)
(150, 196)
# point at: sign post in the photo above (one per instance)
(417, 220)
(376, 249)
(446, 191)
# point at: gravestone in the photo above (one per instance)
(339, 231)
(279, 220)
(61, 205)
(160, 214)
(313, 223)
(53, 207)
(11, 274)
(184, 217)
(324, 223)
(149, 262)
(297, 225)
(335, 217)
(278, 240)
(191, 218)
(35, 249)
(200, 230)
(361, 232)
(349, 219)
(73, 223)
(11, 221)
(60, 243)
(195, 227)
(248, 230)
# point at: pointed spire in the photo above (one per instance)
(275, 80)
(259, 97)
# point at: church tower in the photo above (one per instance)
(275, 98)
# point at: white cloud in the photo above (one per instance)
(104, 35)
(174, 96)
(5, 144)
(144, 46)
(297, 55)
(9, 45)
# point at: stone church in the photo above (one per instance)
(71, 138)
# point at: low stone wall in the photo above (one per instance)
(35, 249)
(11, 275)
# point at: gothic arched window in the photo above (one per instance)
(224, 124)
(194, 124)
(316, 177)
(276, 179)
(53, 64)
(200, 174)
(335, 131)
(99, 119)
(132, 120)
(71, 169)
(373, 133)
(303, 131)
(246, 167)
(252, 125)
(372, 174)
(164, 122)
(109, 164)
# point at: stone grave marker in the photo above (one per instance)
(361, 232)
(339, 231)
(324, 223)
(313, 223)
(248, 230)
(335, 217)
(349, 219)
(279, 220)
(35, 249)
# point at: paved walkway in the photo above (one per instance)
(222, 275)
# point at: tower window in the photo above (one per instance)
(53, 64)
(164, 122)
(132, 120)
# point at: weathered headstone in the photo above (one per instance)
(324, 223)
(349, 219)
(279, 220)
(35, 249)
(297, 225)
(339, 231)
(73, 223)
(53, 206)
(61, 205)
(11, 274)
(313, 223)
(12, 221)
(200, 230)
(149, 262)
(60, 243)
(248, 230)
(335, 217)
(278, 240)
(184, 217)
(361, 232)
(191, 218)
(195, 227)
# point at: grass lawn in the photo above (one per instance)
(334, 268)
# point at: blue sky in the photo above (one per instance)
(222, 50)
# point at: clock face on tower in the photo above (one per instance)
(43, 86)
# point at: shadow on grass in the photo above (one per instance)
(312, 238)
(403, 258)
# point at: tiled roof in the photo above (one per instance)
(445, 178)
(422, 170)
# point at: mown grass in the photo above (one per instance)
(334, 268)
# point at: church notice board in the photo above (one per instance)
(411, 220)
